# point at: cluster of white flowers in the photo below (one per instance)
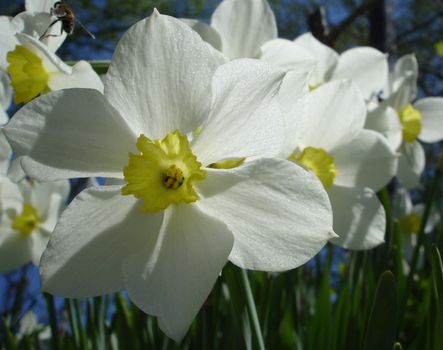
(29, 209)
(219, 143)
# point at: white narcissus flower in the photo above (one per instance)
(39, 5)
(34, 70)
(243, 26)
(351, 163)
(365, 66)
(33, 23)
(409, 217)
(30, 326)
(29, 212)
(247, 28)
(242, 29)
(5, 96)
(404, 121)
(181, 208)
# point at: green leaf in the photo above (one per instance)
(382, 326)
(398, 256)
(437, 276)
(9, 340)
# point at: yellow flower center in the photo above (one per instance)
(28, 76)
(319, 162)
(410, 119)
(27, 221)
(410, 223)
(197, 131)
(163, 173)
(314, 86)
(227, 163)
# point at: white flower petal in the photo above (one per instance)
(98, 230)
(245, 119)
(38, 24)
(11, 197)
(401, 203)
(244, 26)
(51, 62)
(326, 57)
(3, 116)
(39, 5)
(48, 198)
(336, 112)
(406, 65)
(5, 94)
(366, 160)
(287, 55)
(82, 76)
(279, 213)
(293, 87)
(174, 281)
(366, 66)
(411, 164)
(7, 40)
(359, 218)
(431, 109)
(433, 219)
(207, 33)
(405, 93)
(70, 133)
(39, 241)
(5, 154)
(159, 77)
(293, 103)
(384, 119)
(15, 171)
(210, 36)
(62, 76)
(15, 250)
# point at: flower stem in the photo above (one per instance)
(252, 309)
(100, 67)
(52, 321)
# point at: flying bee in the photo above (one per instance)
(64, 14)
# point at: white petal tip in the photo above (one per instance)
(332, 234)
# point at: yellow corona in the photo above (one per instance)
(28, 76)
(410, 223)
(410, 119)
(27, 221)
(318, 161)
(163, 173)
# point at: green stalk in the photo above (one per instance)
(69, 306)
(100, 67)
(383, 195)
(252, 309)
(52, 321)
(81, 329)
